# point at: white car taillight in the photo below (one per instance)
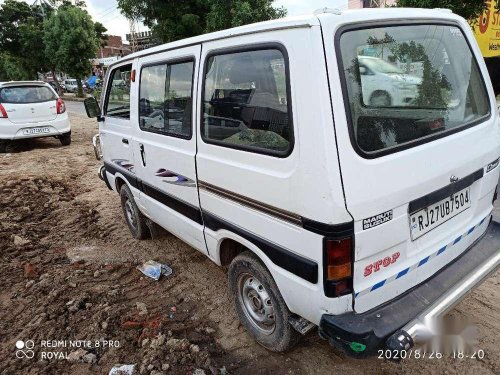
(3, 112)
(60, 106)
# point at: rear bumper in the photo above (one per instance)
(59, 126)
(408, 320)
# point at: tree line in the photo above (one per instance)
(64, 38)
(42, 38)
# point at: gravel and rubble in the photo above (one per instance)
(68, 274)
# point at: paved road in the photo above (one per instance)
(76, 108)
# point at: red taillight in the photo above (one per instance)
(338, 266)
(3, 112)
(61, 107)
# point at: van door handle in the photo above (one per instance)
(143, 154)
(125, 140)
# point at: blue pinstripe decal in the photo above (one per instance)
(402, 273)
(423, 261)
(420, 263)
(378, 285)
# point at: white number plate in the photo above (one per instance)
(427, 219)
(32, 131)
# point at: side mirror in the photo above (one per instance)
(92, 108)
(362, 70)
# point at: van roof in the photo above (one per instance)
(341, 17)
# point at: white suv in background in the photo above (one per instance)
(32, 110)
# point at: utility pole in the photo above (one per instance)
(133, 34)
(43, 4)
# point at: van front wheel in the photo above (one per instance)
(259, 304)
(134, 218)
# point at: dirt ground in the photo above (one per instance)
(68, 273)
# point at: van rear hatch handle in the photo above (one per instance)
(125, 140)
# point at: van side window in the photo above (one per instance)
(246, 102)
(165, 99)
(118, 94)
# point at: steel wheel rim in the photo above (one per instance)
(130, 214)
(256, 303)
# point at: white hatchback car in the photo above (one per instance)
(32, 109)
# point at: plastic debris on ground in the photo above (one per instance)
(154, 269)
(122, 370)
(172, 312)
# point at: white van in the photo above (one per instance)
(257, 147)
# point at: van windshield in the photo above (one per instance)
(409, 83)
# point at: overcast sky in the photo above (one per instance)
(106, 12)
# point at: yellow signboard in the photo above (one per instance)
(487, 30)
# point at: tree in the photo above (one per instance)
(171, 20)
(22, 38)
(468, 9)
(226, 14)
(71, 41)
(21, 31)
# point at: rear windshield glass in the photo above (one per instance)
(26, 94)
(407, 83)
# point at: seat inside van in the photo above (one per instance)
(248, 94)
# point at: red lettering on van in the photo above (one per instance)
(386, 262)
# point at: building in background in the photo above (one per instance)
(141, 40)
(114, 47)
(358, 4)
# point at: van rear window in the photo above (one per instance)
(26, 94)
(405, 84)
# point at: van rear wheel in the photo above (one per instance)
(259, 304)
(135, 219)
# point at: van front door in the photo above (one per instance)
(165, 144)
(116, 130)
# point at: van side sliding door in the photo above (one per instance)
(165, 142)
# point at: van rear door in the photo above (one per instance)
(418, 148)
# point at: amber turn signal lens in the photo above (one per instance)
(339, 258)
(339, 272)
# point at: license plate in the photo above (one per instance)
(32, 131)
(425, 220)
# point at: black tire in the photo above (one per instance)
(65, 139)
(3, 147)
(246, 277)
(380, 99)
(135, 219)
